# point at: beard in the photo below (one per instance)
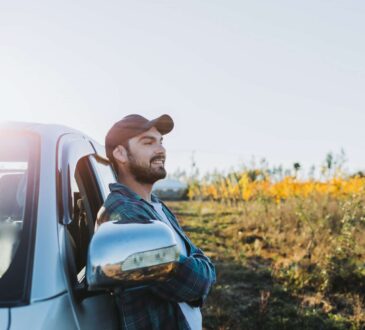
(145, 174)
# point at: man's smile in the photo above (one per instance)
(158, 161)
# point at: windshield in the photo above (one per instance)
(13, 178)
(18, 159)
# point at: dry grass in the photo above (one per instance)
(298, 264)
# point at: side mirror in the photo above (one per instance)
(130, 254)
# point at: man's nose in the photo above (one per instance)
(161, 150)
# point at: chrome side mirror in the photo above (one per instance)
(130, 254)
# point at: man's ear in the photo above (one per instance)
(120, 154)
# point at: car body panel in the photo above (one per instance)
(47, 263)
(55, 314)
(4, 318)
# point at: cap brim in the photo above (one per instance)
(164, 124)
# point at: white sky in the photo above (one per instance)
(284, 80)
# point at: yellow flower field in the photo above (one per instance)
(290, 252)
(242, 188)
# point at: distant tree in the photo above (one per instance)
(312, 172)
(296, 167)
(358, 174)
(329, 160)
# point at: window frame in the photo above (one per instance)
(71, 148)
(95, 160)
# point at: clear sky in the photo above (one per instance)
(284, 80)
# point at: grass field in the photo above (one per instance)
(295, 264)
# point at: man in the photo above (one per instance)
(134, 146)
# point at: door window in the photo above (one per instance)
(104, 173)
(82, 197)
(79, 200)
(85, 201)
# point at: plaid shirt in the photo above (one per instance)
(156, 306)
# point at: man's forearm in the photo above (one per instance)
(191, 282)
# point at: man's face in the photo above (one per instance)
(146, 157)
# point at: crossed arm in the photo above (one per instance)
(192, 279)
(191, 282)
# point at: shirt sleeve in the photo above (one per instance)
(194, 275)
(191, 281)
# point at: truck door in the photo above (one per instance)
(80, 197)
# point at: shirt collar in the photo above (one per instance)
(117, 186)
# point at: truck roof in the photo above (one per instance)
(41, 129)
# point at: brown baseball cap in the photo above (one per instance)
(131, 126)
